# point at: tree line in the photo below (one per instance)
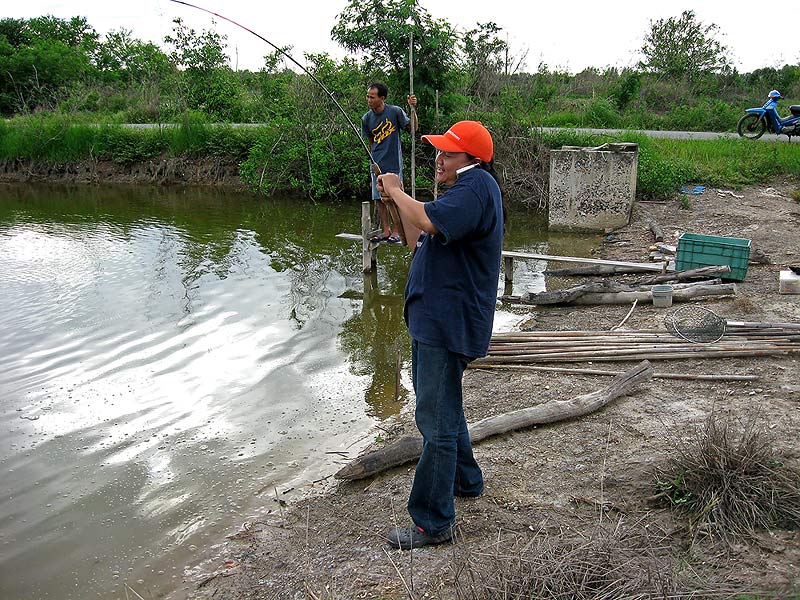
(63, 68)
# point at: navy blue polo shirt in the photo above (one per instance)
(452, 285)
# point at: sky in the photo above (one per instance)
(568, 36)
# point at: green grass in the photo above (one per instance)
(58, 139)
(665, 165)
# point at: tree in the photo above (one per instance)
(681, 47)
(486, 59)
(381, 30)
(41, 59)
(122, 57)
(202, 51)
(209, 84)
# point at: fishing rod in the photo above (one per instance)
(306, 71)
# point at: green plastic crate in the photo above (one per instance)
(696, 250)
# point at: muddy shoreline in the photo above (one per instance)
(545, 481)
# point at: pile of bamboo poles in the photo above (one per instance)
(740, 340)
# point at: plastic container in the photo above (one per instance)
(662, 296)
(696, 250)
(789, 283)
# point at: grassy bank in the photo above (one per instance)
(326, 164)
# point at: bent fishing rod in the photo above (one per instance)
(393, 211)
(306, 71)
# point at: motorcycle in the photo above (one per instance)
(758, 120)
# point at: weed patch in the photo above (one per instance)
(728, 483)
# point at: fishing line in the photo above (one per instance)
(306, 71)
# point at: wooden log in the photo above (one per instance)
(702, 272)
(597, 270)
(613, 293)
(409, 447)
(658, 233)
(564, 296)
(680, 295)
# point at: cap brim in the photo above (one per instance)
(443, 143)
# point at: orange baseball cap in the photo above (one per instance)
(465, 136)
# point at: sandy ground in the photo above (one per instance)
(565, 477)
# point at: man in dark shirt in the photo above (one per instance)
(381, 125)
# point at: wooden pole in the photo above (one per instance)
(592, 261)
(436, 127)
(508, 269)
(367, 253)
(413, 117)
(570, 371)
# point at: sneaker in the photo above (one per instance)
(415, 537)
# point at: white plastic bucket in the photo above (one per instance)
(662, 296)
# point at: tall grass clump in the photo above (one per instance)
(46, 137)
(727, 481)
(615, 560)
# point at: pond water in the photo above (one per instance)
(173, 360)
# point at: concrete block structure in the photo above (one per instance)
(592, 189)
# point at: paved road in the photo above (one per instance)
(675, 135)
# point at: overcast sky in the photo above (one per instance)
(566, 35)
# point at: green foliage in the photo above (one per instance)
(204, 51)
(121, 57)
(680, 47)
(383, 30)
(659, 175)
(320, 163)
(601, 113)
(484, 59)
(626, 89)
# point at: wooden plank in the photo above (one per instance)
(507, 254)
(575, 259)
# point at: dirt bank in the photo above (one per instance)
(158, 171)
(564, 478)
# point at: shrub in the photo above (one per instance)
(728, 481)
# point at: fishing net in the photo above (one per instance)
(695, 324)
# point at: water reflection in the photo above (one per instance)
(370, 337)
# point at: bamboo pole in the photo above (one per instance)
(571, 371)
(413, 117)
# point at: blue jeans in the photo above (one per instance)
(446, 466)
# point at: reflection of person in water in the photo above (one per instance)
(385, 320)
(373, 339)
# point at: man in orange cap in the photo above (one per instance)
(449, 309)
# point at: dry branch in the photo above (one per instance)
(713, 271)
(409, 447)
